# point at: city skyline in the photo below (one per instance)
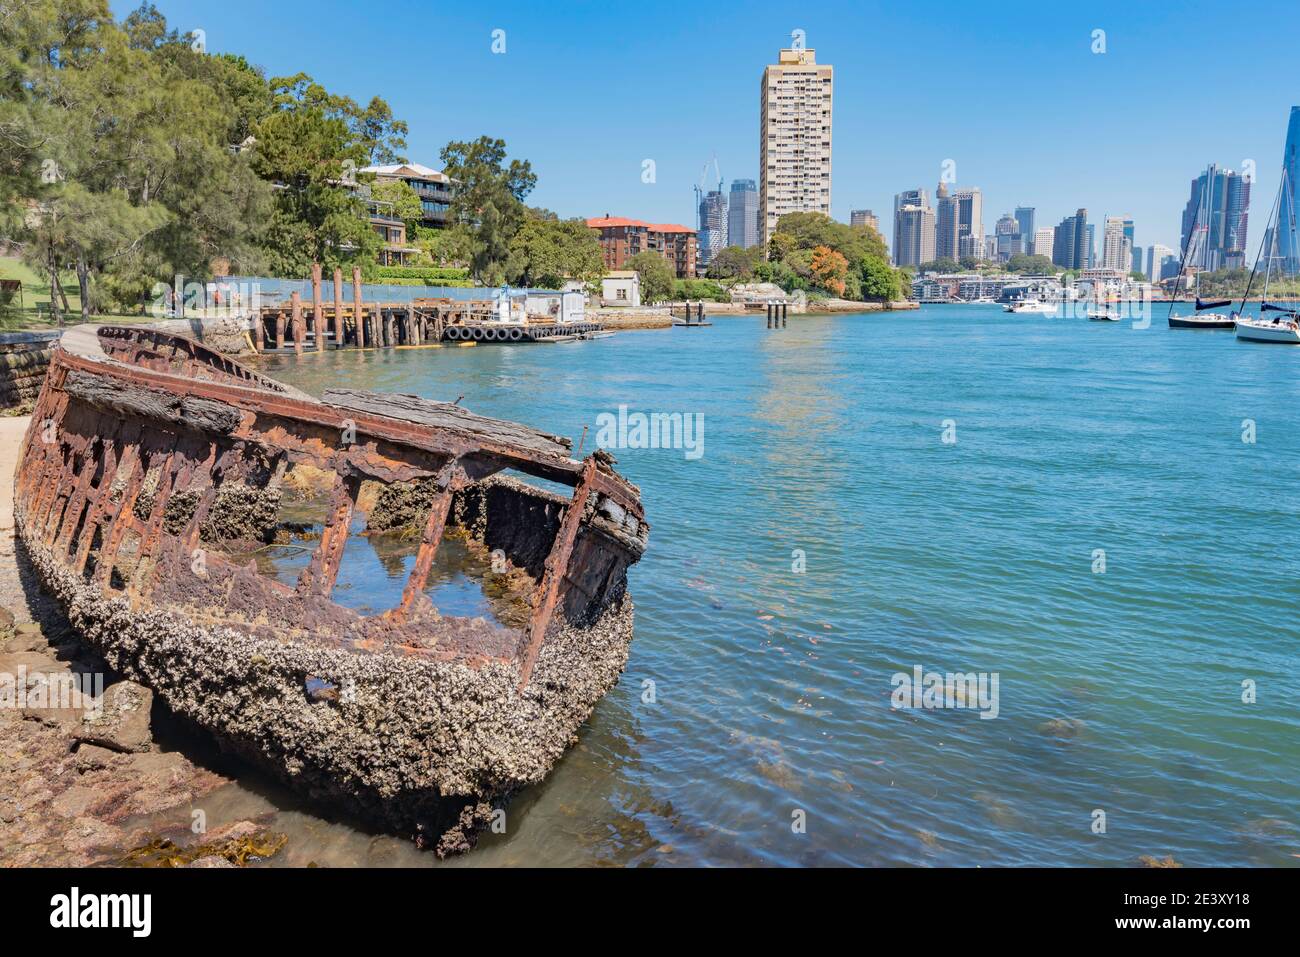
(1122, 164)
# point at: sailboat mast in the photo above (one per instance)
(1187, 245)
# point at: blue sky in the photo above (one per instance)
(1010, 91)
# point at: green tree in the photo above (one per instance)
(1032, 265)
(656, 274)
(735, 262)
(546, 252)
(810, 230)
(306, 147)
(879, 281)
(488, 199)
(404, 200)
(943, 265)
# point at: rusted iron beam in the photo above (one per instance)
(259, 404)
(430, 538)
(323, 570)
(556, 567)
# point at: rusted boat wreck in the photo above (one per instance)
(152, 466)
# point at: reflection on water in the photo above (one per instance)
(771, 685)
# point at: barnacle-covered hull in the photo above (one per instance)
(152, 463)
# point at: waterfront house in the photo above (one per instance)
(433, 187)
(622, 287)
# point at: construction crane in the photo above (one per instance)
(711, 233)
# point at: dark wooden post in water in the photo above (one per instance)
(317, 313)
(338, 306)
(279, 327)
(357, 309)
(769, 315)
(295, 320)
(785, 312)
(259, 332)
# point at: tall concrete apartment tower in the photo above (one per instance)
(794, 147)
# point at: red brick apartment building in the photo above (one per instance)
(622, 238)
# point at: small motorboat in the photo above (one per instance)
(1036, 306)
(1102, 314)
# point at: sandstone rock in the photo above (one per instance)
(123, 722)
(212, 860)
(11, 662)
(238, 831)
(91, 757)
(75, 801)
(159, 767)
(26, 643)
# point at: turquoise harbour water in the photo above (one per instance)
(1118, 691)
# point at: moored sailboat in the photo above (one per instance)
(1275, 323)
(1202, 318)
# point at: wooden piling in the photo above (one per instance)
(317, 313)
(358, 310)
(295, 320)
(338, 307)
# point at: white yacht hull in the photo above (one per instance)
(1253, 330)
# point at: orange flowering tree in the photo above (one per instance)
(829, 269)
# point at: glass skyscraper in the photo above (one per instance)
(742, 214)
(1287, 223)
(1218, 209)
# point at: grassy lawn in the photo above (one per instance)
(36, 289)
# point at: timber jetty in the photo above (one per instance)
(155, 468)
(297, 326)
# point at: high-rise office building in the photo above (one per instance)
(1043, 241)
(1091, 259)
(1215, 220)
(742, 214)
(945, 224)
(1025, 218)
(1070, 242)
(970, 222)
(1115, 250)
(711, 235)
(1160, 258)
(917, 199)
(1288, 244)
(864, 217)
(794, 138)
(1007, 238)
(913, 235)
(1135, 251)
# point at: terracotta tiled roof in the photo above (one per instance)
(609, 222)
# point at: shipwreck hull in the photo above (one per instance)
(152, 463)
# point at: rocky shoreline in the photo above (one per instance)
(87, 777)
